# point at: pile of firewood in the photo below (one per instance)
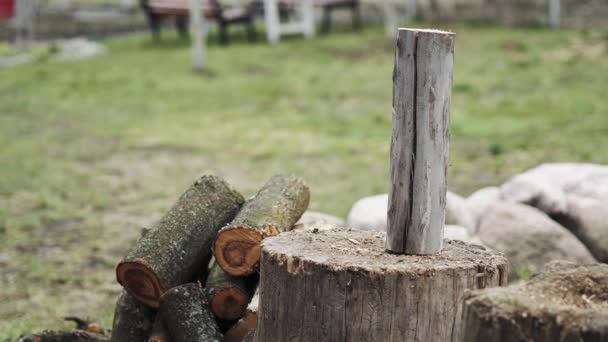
(193, 276)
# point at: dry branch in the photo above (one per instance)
(274, 209)
(179, 246)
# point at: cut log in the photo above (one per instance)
(566, 302)
(187, 316)
(228, 295)
(422, 87)
(66, 336)
(179, 246)
(132, 320)
(341, 285)
(159, 331)
(274, 209)
(245, 327)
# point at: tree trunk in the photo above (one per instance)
(228, 295)
(67, 336)
(186, 314)
(274, 209)
(422, 87)
(159, 331)
(179, 246)
(245, 327)
(341, 285)
(566, 302)
(132, 320)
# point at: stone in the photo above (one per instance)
(369, 213)
(310, 217)
(479, 201)
(529, 238)
(452, 232)
(457, 212)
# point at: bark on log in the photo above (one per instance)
(179, 246)
(228, 295)
(274, 209)
(159, 331)
(342, 285)
(186, 314)
(132, 320)
(66, 336)
(244, 329)
(566, 302)
(422, 86)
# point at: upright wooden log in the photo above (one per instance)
(185, 312)
(274, 209)
(245, 327)
(566, 302)
(422, 83)
(132, 320)
(179, 246)
(341, 285)
(228, 295)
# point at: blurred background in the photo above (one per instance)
(103, 123)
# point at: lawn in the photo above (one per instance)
(92, 151)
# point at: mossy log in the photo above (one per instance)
(244, 329)
(179, 246)
(66, 336)
(566, 302)
(274, 209)
(342, 285)
(132, 320)
(228, 295)
(186, 314)
(159, 331)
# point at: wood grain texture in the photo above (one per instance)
(228, 295)
(422, 83)
(341, 285)
(176, 249)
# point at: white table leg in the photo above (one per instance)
(271, 15)
(308, 18)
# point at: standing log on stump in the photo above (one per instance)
(422, 86)
(159, 331)
(179, 246)
(274, 209)
(244, 329)
(228, 295)
(132, 320)
(186, 314)
(341, 285)
(566, 302)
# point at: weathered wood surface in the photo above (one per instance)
(422, 85)
(132, 320)
(228, 295)
(245, 327)
(566, 302)
(274, 209)
(185, 312)
(179, 246)
(341, 285)
(159, 331)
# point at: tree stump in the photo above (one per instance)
(341, 285)
(566, 302)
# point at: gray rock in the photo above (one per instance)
(479, 201)
(315, 218)
(369, 213)
(79, 48)
(452, 232)
(457, 212)
(529, 238)
(575, 195)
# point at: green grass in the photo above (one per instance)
(91, 151)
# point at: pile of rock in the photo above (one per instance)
(554, 211)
